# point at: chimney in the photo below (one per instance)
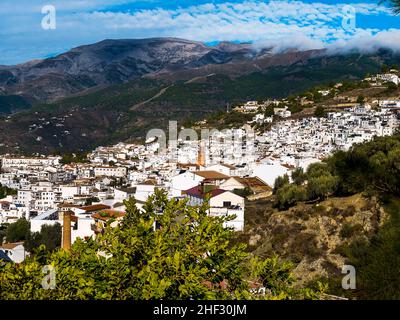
(201, 160)
(66, 234)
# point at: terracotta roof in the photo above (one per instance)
(212, 175)
(150, 182)
(105, 215)
(252, 182)
(95, 207)
(10, 246)
(198, 192)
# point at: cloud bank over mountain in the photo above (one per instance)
(362, 25)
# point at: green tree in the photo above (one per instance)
(49, 236)
(391, 86)
(298, 176)
(360, 99)
(3, 232)
(320, 112)
(269, 111)
(321, 187)
(73, 158)
(5, 191)
(317, 169)
(89, 201)
(188, 256)
(289, 195)
(18, 231)
(280, 182)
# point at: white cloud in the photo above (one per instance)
(282, 24)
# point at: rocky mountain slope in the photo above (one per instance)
(314, 237)
(117, 90)
(112, 62)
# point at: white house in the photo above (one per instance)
(389, 77)
(184, 181)
(124, 193)
(69, 191)
(222, 203)
(268, 172)
(251, 106)
(226, 169)
(81, 226)
(144, 190)
(107, 171)
(15, 251)
(282, 112)
(23, 163)
(255, 184)
(190, 179)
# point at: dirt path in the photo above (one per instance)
(159, 94)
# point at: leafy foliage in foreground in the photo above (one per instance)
(189, 255)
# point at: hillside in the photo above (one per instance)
(121, 112)
(313, 236)
(348, 214)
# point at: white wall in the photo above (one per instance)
(231, 184)
(183, 182)
(269, 172)
(16, 254)
(218, 201)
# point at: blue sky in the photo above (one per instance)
(282, 24)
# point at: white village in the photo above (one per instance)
(228, 168)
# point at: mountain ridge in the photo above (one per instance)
(88, 113)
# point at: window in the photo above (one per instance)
(227, 204)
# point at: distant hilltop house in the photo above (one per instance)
(324, 92)
(389, 77)
(260, 118)
(379, 79)
(282, 112)
(248, 107)
(389, 104)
